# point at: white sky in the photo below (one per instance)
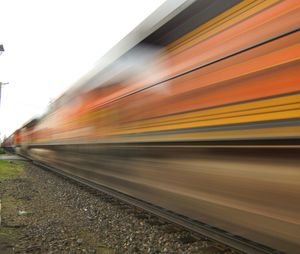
(49, 44)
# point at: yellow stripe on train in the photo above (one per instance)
(263, 110)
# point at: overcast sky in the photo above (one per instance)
(49, 44)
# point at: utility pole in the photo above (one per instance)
(1, 84)
(1, 51)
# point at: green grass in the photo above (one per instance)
(10, 169)
(9, 233)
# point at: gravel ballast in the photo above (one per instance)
(46, 213)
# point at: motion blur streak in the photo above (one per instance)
(201, 117)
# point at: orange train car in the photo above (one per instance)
(246, 83)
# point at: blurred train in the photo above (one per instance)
(197, 111)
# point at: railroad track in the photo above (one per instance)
(213, 233)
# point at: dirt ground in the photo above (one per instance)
(9, 227)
